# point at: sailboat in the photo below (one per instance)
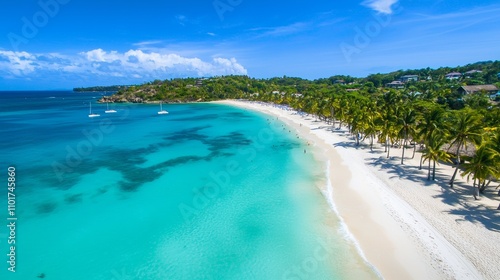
(92, 115)
(162, 112)
(108, 110)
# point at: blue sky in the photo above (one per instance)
(61, 44)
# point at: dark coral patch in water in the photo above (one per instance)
(229, 141)
(178, 161)
(198, 118)
(74, 198)
(188, 134)
(46, 207)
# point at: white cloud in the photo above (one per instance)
(282, 30)
(148, 43)
(230, 65)
(131, 64)
(17, 63)
(381, 6)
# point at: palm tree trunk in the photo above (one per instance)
(403, 155)
(475, 190)
(454, 174)
(332, 113)
(489, 181)
(483, 187)
(371, 143)
(421, 159)
(429, 171)
(388, 147)
(434, 171)
(456, 168)
(414, 149)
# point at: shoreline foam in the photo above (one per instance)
(344, 229)
(402, 228)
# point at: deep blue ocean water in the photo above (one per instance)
(208, 191)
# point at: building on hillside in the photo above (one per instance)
(453, 76)
(395, 84)
(339, 82)
(199, 82)
(408, 78)
(471, 73)
(489, 89)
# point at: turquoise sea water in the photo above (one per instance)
(206, 192)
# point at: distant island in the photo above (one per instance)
(100, 88)
(449, 85)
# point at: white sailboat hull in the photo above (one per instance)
(162, 112)
(108, 111)
(92, 115)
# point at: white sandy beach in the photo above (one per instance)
(406, 226)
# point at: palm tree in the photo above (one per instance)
(434, 153)
(432, 120)
(323, 110)
(390, 111)
(464, 129)
(311, 105)
(481, 166)
(359, 114)
(343, 108)
(493, 143)
(357, 123)
(387, 130)
(371, 128)
(407, 123)
(333, 103)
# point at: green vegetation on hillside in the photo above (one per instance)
(100, 88)
(433, 84)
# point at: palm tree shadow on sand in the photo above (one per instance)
(407, 172)
(456, 196)
(478, 214)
